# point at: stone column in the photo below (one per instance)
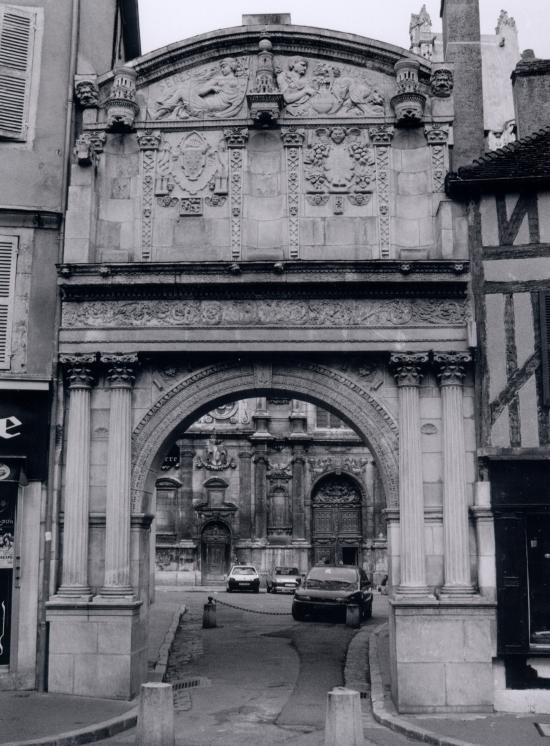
(260, 491)
(408, 373)
(121, 377)
(74, 577)
(485, 535)
(184, 513)
(298, 494)
(455, 504)
(245, 486)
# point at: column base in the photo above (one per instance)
(80, 593)
(413, 590)
(115, 592)
(457, 590)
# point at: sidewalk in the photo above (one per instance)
(37, 719)
(461, 729)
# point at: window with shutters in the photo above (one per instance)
(544, 304)
(18, 43)
(8, 253)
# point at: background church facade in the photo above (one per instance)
(258, 235)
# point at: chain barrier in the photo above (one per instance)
(253, 611)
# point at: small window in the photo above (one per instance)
(8, 253)
(544, 304)
(17, 42)
(325, 419)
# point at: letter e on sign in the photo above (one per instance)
(7, 425)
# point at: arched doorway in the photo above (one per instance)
(215, 552)
(336, 521)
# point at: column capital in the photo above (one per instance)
(120, 369)
(407, 367)
(451, 367)
(79, 370)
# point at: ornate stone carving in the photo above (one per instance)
(504, 21)
(338, 161)
(407, 367)
(217, 90)
(121, 369)
(292, 141)
(325, 89)
(437, 136)
(268, 312)
(441, 82)
(215, 457)
(278, 471)
(191, 164)
(88, 146)
(148, 139)
(79, 370)
(121, 104)
(226, 413)
(408, 104)
(86, 92)
(500, 138)
(451, 367)
(265, 100)
(236, 140)
(336, 464)
(381, 138)
(337, 491)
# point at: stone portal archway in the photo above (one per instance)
(322, 384)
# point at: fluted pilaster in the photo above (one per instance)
(407, 368)
(455, 505)
(121, 376)
(74, 575)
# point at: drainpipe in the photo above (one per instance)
(51, 534)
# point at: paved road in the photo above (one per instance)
(262, 678)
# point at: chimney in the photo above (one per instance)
(531, 87)
(462, 48)
(266, 19)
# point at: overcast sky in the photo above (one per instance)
(167, 21)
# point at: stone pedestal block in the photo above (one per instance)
(344, 725)
(448, 645)
(155, 723)
(96, 649)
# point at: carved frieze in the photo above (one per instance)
(314, 87)
(316, 313)
(216, 90)
(336, 464)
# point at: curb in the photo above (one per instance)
(159, 668)
(390, 720)
(89, 734)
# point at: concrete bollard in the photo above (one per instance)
(344, 724)
(209, 614)
(353, 615)
(155, 724)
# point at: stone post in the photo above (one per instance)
(407, 369)
(184, 514)
(74, 577)
(485, 536)
(343, 722)
(455, 505)
(155, 723)
(245, 486)
(121, 377)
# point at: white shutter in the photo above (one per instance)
(17, 28)
(8, 253)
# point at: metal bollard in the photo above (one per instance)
(155, 724)
(344, 724)
(209, 614)
(353, 616)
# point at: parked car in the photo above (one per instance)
(333, 587)
(283, 579)
(243, 577)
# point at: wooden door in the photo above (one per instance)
(336, 521)
(215, 553)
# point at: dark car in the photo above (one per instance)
(243, 578)
(283, 579)
(333, 587)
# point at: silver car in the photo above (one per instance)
(285, 579)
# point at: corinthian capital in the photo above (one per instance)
(121, 369)
(78, 370)
(407, 367)
(451, 367)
